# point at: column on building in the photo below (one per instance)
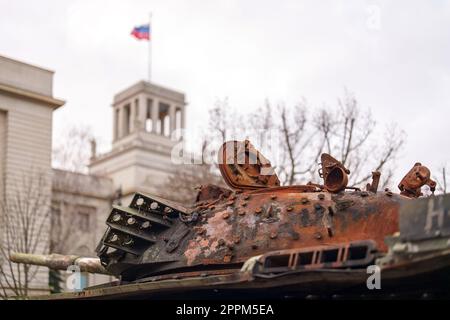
(155, 115)
(115, 124)
(132, 118)
(182, 121)
(143, 110)
(120, 122)
(172, 119)
(183, 117)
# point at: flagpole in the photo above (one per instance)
(150, 48)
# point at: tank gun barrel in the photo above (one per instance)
(59, 261)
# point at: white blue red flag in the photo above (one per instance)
(141, 32)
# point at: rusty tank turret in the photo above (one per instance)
(300, 226)
(259, 239)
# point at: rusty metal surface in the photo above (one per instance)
(424, 274)
(346, 255)
(373, 187)
(154, 237)
(191, 274)
(245, 224)
(415, 179)
(334, 174)
(224, 228)
(242, 239)
(244, 167)
(210, 192)
(253, 223)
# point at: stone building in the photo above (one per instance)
(147, 121)
(26, 107)
(80, 206)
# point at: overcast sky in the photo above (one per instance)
(394, 55)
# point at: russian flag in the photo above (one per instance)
(141, 32)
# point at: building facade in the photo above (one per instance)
(147, 124)
(80, 206)
(26, 107)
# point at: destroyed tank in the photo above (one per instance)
(257, 234)
(286, 225)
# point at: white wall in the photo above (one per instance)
(2, 150)
(27, 152)
(24, 76)
(26, 141)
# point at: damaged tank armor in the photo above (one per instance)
(226, 227)
(258, 234)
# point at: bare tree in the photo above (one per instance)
(441, 180)
(24, 218)
(64, 233)
(182, 185)
(295, 140)
(71, 157)
(72, 152)
(348, 132)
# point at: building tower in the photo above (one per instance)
(147, 119)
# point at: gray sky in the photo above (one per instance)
(394, 55)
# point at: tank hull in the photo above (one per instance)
(223, 233)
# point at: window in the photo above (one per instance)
(83, 218)
(83, 221)
(55, 219)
